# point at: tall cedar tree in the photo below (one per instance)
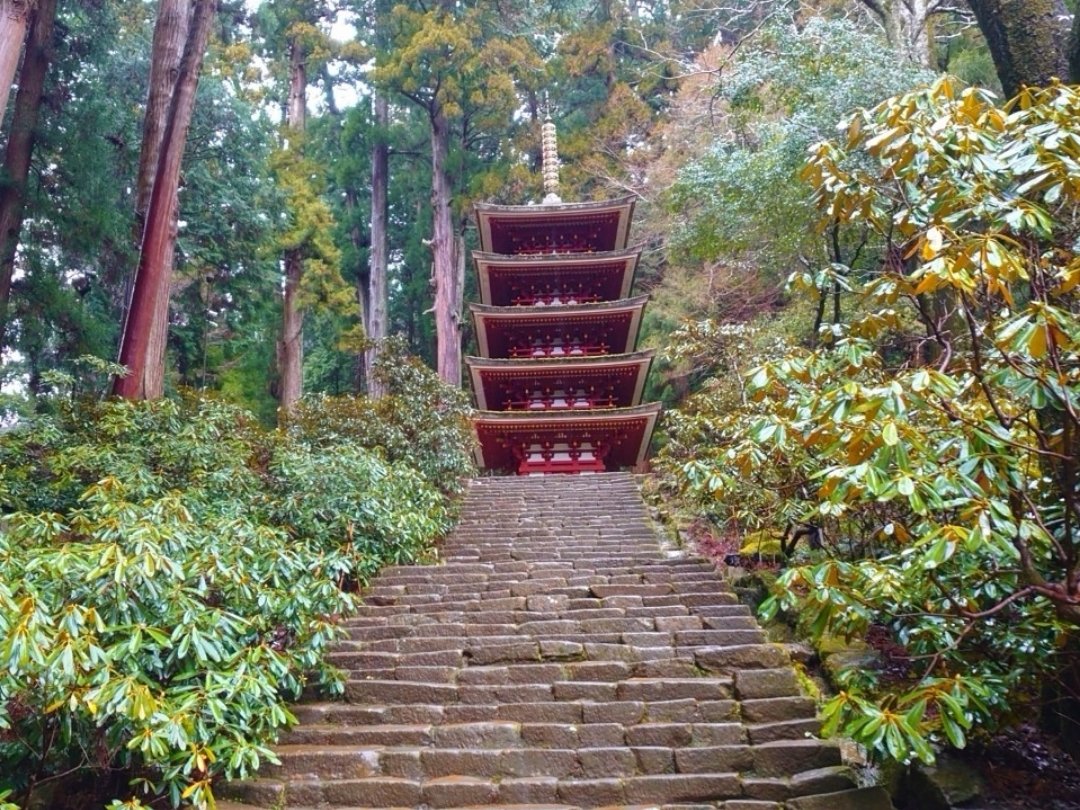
(155, 258)
(290, 348)
(451, 63)
(376, 313)
(375, 298)
(14, 16)
(310, 258)
(170, 34)
(20, 145)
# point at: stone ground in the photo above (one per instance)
(559, 657)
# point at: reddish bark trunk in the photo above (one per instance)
(376, 311)
(290, 349)
(20, 145)
(152, 275)
(170, 34)
(14, 16)
(447, 294)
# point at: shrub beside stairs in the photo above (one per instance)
(558, 658)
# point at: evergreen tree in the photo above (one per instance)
(458, 64)
(138, 351)
(310, 258)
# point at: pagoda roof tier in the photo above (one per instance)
(571, 277)
(588, 227)
(569, 383)
(609, 327)
(564, 441)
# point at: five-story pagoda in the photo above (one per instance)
(558, 382)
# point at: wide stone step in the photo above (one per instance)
(596, 751)
(515, 584)
(499, 649)
(662, 633)
(695, 602)
(329, 734)
(397, 692)
(527, 715)
(785, 718)
(508, 792)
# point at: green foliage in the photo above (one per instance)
(346, 145)
(939, 469)
(284, 24)
(226, 285)
(309, 229)
(969, 60)
(783, 92)
(453, 61)
(736, 217)
(612, 73)
(420, 421)
(170, 576)
(468, 67)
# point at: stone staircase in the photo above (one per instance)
(558, 658)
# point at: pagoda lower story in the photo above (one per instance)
(558, 383)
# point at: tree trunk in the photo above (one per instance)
(170, 34)
(14, 15)
(152, 275)
(356, 237)
(20, 145)
(460, 264)
(377, 296)
(1029, 40)
(908, 27)
(447, 294)
(919, 37)
(819, 315)
(290, 353)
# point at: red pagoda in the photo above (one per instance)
(558, 384)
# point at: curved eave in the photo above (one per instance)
(562, 362)
(637, 362)
(564, 418)
(623, 304)
(588, 206)
(490, 218)
(484, 316)
(496, 428)
(551, 264)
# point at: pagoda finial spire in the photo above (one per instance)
(551, 158)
